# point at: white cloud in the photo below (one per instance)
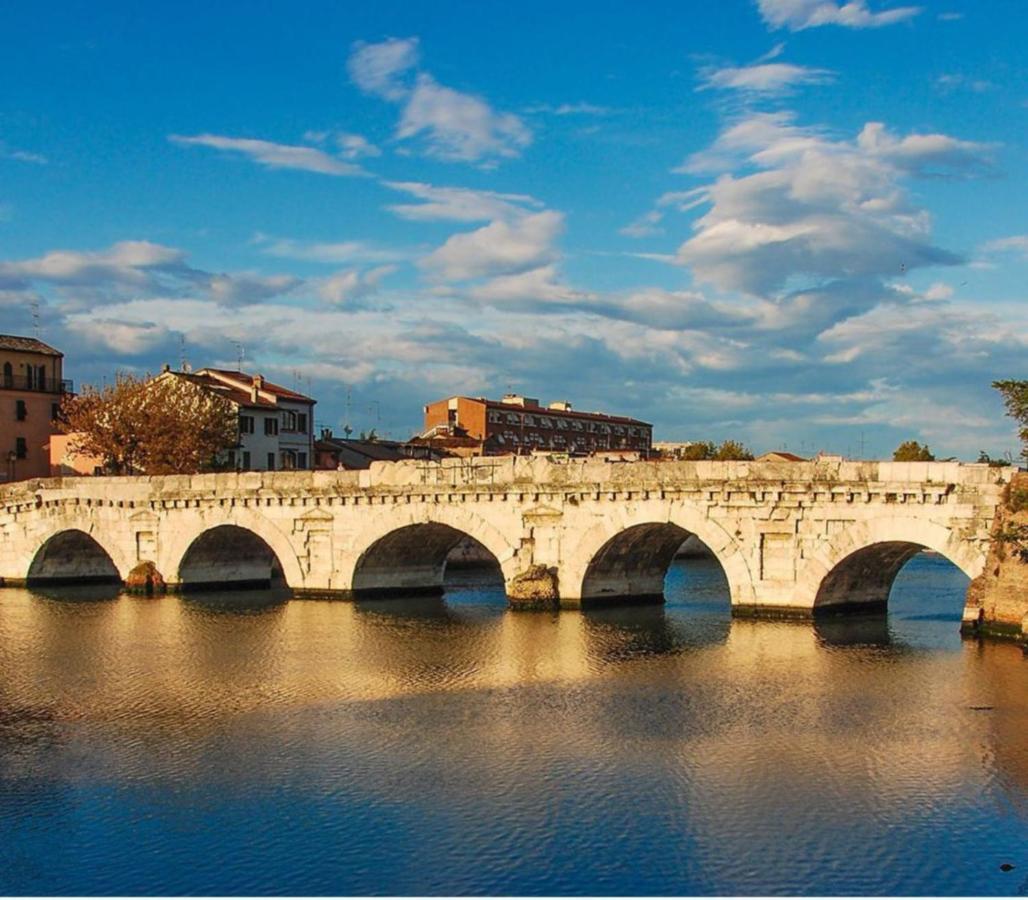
(334, 252)
(352, 284)
(535, 287)
(22, 155)
(458, 126)
(799, 14)
(246, 288)
(126, 338)
(811, 206)
(131, 263)
(451, 125)
(274, 156)
(450, 204)
(355, 146)
(499, 248)
(376, 68)
(571, 109)
(1016, 243)
(138, 268)
(764, 78)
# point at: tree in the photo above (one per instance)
(912, 451)
(163, 426)
(1015, 398)
(699, 450)
(732, 450)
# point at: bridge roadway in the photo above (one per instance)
(792, 538)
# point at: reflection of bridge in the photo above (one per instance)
(792, 538)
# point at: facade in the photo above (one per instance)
(31, 388)
(519, 424)
(276, 425)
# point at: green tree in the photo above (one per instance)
(912, 451)
(732, 450)
(1015, 398)
(699, 450)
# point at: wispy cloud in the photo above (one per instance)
(797, 15)
(272, 155)
(763, 78)
(446, 123)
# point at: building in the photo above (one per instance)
(276, 425)
(332, 452)
(31, 388)
(519, 424)
(780, 456)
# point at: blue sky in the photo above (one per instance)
(795, 222)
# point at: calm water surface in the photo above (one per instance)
(246, 744)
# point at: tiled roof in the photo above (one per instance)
(236, 395)
(268, 386)
(26, 345)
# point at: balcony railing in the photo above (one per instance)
(41, 385)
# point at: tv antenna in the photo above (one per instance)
(183, 363)
(240, 353)
(35, 316)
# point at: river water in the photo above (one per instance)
(245, 743)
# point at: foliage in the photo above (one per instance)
(699, 450)
(159, 427)
(912, 451)
(1016, 535)
(991, 461)
(732, 450)
(1015, 398)
(709, 450)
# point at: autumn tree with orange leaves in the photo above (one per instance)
(161, 426)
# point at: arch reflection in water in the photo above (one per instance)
(425, 559)
(72, 557)
(228, 557)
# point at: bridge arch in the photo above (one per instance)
(410, 555)
(72, 556)
(857, 567)
(204, 554)
(627, 556)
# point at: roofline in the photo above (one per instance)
(574, 413)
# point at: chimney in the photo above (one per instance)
(561, 405)
(326, 434)
(165, 368)
(258, 384)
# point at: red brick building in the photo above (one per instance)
(519, 424)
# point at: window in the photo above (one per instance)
(246, 424)
(301, 422)
(270, 426)
(494, 417)
(288, 460)
(55, 412)
(232, 458)
(301, 460)
(41, 378)
(21, 448)
(21, 411)
(271, 462)
(8, 375)
(246, 459)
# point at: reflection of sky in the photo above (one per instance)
(168, 745)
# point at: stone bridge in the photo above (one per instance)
(792, 538)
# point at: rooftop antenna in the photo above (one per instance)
(240, 353)
(183, 363)
(35, 316)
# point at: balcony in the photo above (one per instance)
(38, 385)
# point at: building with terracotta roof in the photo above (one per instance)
(276, 425)
(31, 388)
(518, 424)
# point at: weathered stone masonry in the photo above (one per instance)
(793, 538)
